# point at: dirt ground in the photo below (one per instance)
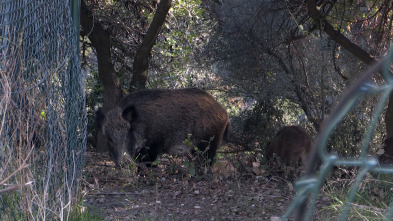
(156, 194)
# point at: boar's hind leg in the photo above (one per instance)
(214, 145)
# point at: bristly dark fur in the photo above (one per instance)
(154, 121)
(292, 144)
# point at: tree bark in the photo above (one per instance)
(141, 60)
(100, 40)
(389, 119)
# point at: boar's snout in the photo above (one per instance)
(123, 161)
(116, 129)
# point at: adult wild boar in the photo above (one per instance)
(149, 122)
(292, 144)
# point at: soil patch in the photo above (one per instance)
(154, 194)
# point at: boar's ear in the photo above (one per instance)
(100, 117)
(129, 113)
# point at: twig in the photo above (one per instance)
(13, 173)
(16, 187)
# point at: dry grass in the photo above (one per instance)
(32, 180)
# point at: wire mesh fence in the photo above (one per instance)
(42, 110)
(309, 187)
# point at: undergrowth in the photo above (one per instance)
(372, 200)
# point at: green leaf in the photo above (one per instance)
(43, 115)
(156, 162)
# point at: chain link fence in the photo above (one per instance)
(303, 207)
(42, 110)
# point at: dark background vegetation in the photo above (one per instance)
(271, 63)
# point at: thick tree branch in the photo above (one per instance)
(363, 55)
(337, 36)
(141, 61)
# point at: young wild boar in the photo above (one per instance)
(149, 122)
(292, 144)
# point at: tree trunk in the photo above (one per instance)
(141, 61)
(389, 118)
(100, 40)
